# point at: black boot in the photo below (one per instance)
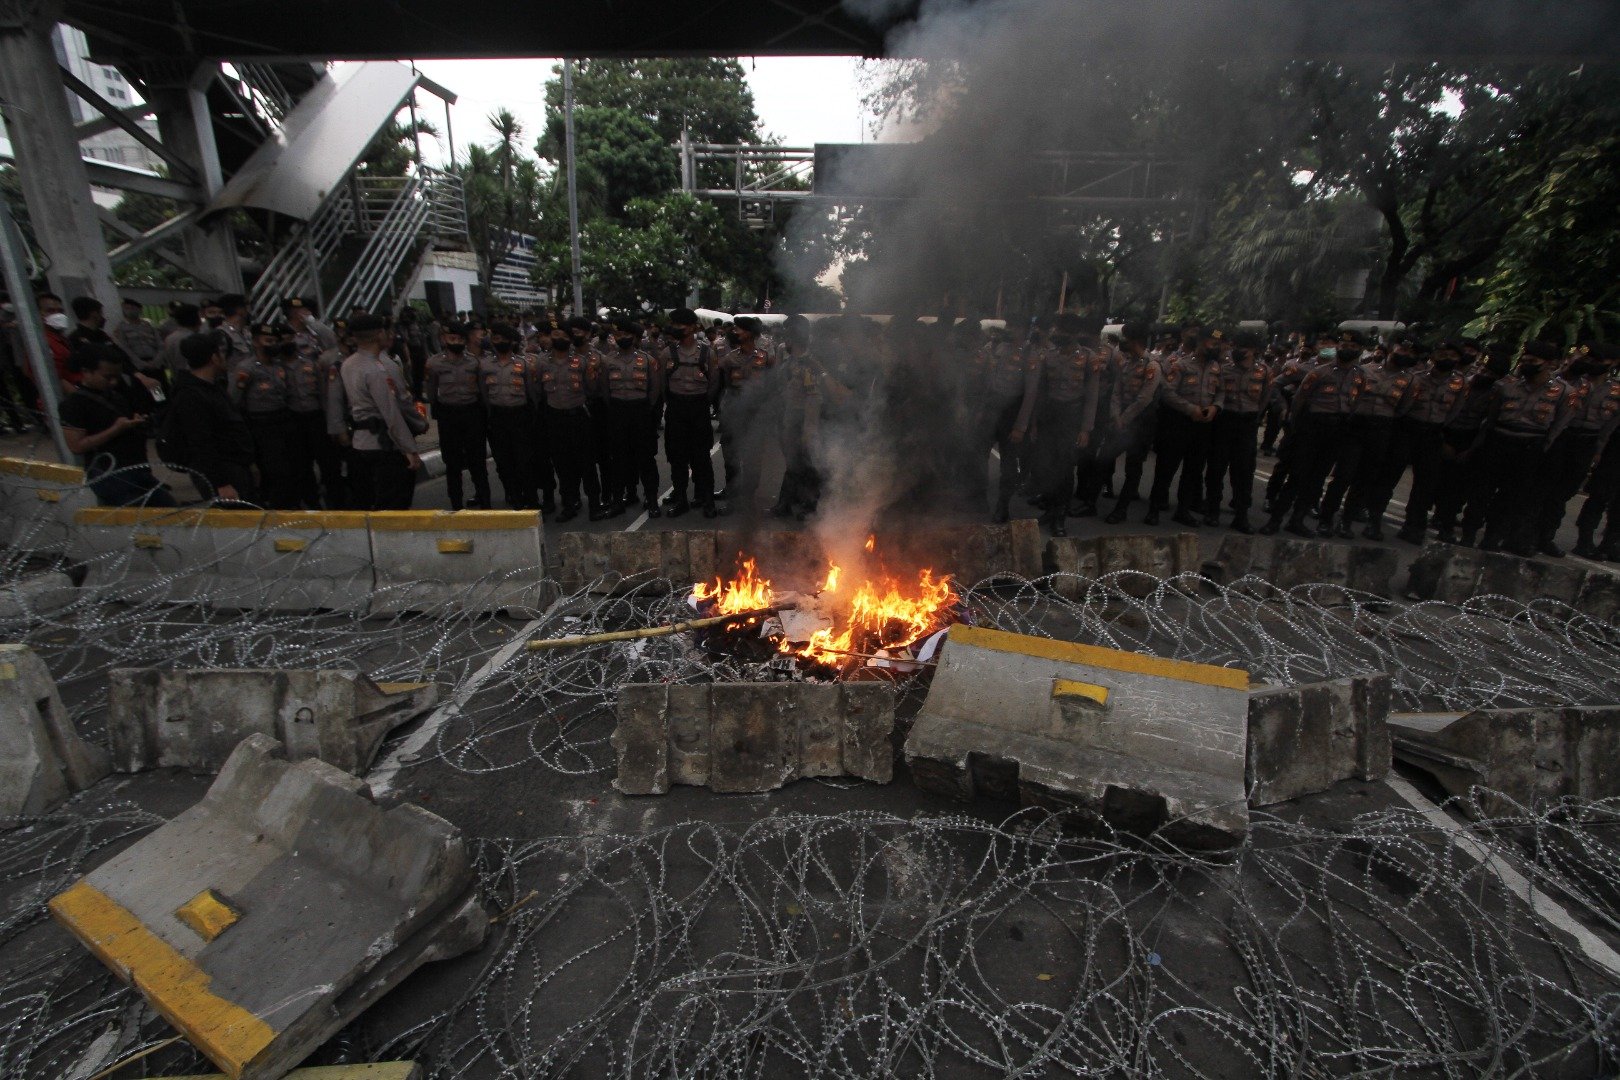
(1116, 516)
(1584, 547)
(1056, 526)
(568, 513)
(1002, 514)
(1185, 517)
(1411, 535)
(1152, 517)
(1296, 526)
(709, 509)
(597, 512)
(1324, 527)
(1374, 531)
(1342, 529)
(1240, 523)
(1272, 526)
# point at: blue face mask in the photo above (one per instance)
(1328, 353)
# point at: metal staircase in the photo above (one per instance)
(394, 221)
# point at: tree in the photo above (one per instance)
(648, 258)
(393, 151)
(707, 96)
(503, 189)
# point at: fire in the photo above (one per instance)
(748, 592)
(871, 542)
(881, 614)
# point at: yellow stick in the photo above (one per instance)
(644, 632)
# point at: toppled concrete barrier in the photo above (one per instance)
(1533, 756)
(1453, 575)
(1080, 560)
(1287, 563)
(1139, 741)
(751, 737)
(620, 561)
(382, 1070)
(265, 918)
(42, 758)
(1304, 739)
(36, 595)
(193, 720)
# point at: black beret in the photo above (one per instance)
(457, 328)
(683, 317)
(367, 323)
(505, 330)
(1541, 350)
(263, 328)
(749, 324)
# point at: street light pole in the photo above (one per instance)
(573, 190)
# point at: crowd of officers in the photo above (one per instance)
(298, 414)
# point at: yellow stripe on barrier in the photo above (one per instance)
(220, 519)
(1071, 688)
(42, 470)
(178, 989)
(148, 541)
(379, 1070)
(48, 495)
(455, 547)
(452, 520)
(207, 915)
(1070, 652)
(286, 545)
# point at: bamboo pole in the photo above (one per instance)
(645, 632)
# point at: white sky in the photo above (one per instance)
(802, 99)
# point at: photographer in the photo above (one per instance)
(99, 423)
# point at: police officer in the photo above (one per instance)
(629, 390)
(1246, 396)
(1132, 432)
(1193, 394)
(336, 460)
(1569, 459)
(385, 423)
(1528, 411)
(233, 322)
(1317, 419)
(1419, 441)
(808, 391)
(1463, 488)
(455, 393)
(569, 379)
(1364, 448)
(1063, 411)
(582, 332)
(260, 388)
(1009, 379)
(1106, 369)
(744, 369)
(511, 388)
(306, 397)
(691, 380)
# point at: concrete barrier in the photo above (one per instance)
(35, 596)
(1139, 741)
(37, 502)
(262, 920)
(1533, 756)
(751, 737)
(1304, 739)
(1288, 563)
(793, 558)
(469, 560)
(194, 719)
(230, 559)
(382, 1070)
(1080, 560)
(42, 758)
(1453, 575)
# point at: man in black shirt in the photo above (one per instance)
(99, 423)
(205, 433)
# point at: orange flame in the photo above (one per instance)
(748, 592)
(831, 584)
(871, 542)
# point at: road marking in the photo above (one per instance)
(381, 778)
(1539, 902)
(643, 519)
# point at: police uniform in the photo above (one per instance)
(1462, 490)
(1088, 476)
(307, 392)
(1140, 382)
(1592, 409)
(511, 388)
(802, 384)
(567, 381)
(1364, 446)
(1525, 419)
(454, 391)
(1191, 382)
(630, 390)
(1009, 376)
(690, 380)
(260, 389)
(742, 386)
(1419, 443)
(1062, 409)
(379, 406)
(1317, 419)
(1246, 395)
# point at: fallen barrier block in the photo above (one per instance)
(751, 737)
(160, 719)
(382, 1070)
(262, 920)
(42, 758)
(1288, 563)
(1080, 560)
(37, 502)
(251, 560)
(466, 561)
(1454, 575)
(1306, 738)
(619, 561)
(1141, 742)
(36, 595)
(1533, 756)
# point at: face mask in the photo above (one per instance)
(216, 321)
(1328, 353)
(626, 344)
(1212, 354)
(1585, 369)
(455, 350)
(1445, 363)
(57, 322)
(289, 348)
(503, 346)
(1402, 360)
(559, 344)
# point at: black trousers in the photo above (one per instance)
(1360, 453)
(1182, 446)
(1567, 463)
(1057, 452)
(1418, 447)
(688, 438)
(383, 481)
(573, 454)
(631, 450)
(1603, 494)
(740, 444)
(1311, 452)
(1231, 454)
(1001, 418)
(278, 451)
(514, 441)
(463, 442)
(1456, 480)
(1511, 481)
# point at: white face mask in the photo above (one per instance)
(57, 321)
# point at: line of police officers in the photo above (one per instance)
(1496, 442)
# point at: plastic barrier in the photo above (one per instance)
(272, 913)
(230, 559)
(37, 502)
(469, 560)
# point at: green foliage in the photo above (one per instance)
(393, 151)
(708, 96)
(503, 189)
(648, 258)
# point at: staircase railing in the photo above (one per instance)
(393, 239)
(295, 270)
